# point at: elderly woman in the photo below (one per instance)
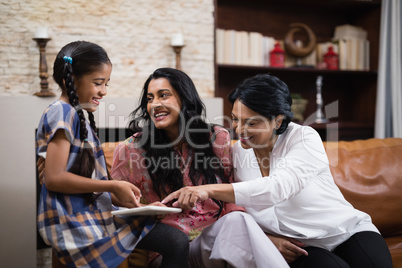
(284, 182)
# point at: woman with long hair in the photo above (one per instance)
(174, 147)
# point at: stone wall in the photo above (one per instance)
(135, 33)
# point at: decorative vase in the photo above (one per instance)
(277, 56)
(331, 59)
(298, 107)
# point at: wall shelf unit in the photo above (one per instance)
(354, 91)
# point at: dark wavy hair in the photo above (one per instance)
(86, 58)
(267, 95)
(197, 134)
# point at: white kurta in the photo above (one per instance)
(299, 198)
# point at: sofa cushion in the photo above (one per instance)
(369, 174)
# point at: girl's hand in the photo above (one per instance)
(126, 193)
(41, 168)
(290, 248)
(158, 204)
(188, 196)
(118, 203)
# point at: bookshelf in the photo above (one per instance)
(354, 91)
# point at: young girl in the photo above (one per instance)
(74, 214)
(174, 147)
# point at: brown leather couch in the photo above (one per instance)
(369, 174)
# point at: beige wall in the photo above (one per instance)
(135, 33)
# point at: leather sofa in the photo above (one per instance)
(369, 174)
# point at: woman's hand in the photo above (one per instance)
(127, 194)
(188, 196)
(290, 248)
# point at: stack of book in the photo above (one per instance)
(243, 48)
(353, 47)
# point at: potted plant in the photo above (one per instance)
(298, 107)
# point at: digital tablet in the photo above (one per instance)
(147, 210)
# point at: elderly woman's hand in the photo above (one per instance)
(290, 248)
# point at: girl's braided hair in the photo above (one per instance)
(75, 60)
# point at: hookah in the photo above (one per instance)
(319, 116)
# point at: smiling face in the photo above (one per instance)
(92, 87)
(254, 130)
(164, 106)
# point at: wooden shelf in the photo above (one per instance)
(334, 131)
(265, 69)
(354, 92)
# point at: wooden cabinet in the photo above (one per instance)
(354, 92)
